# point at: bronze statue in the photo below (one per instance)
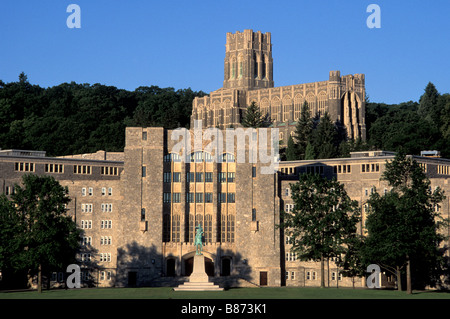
(198, 240)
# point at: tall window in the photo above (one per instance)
(227, 228)
(176, 228)
(208, 228)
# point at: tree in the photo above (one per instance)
(303, 131)
(291, 154)
(47, 237)
(254, 118)
(325, 140)
(403, 225)
(323, 220)
(428, 103)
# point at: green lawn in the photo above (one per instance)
(235, 293)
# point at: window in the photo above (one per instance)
(176, 177)
(222, 197)
(166, 177)
(190, 177)
(199, 197)
(86, 224)
(208, 228)
(142, 214)
(190, 198)
(54, 168)
(222, 177)
(176, 228)
(231, 197)
(199, 177)
(172, 157)
(208, 177)
(83, 191)
(105, 240)
(103, 191)
(231, 177)
(86, 208)
(176, 197)
(166, 197)
(24, 167)
(106, 224)
(105, 257)
(144, 171)
(106, 208)
(91, 191)
(228, 158)
(144, 136)
(253, 171)
(110, 191)
(254, 214)
(109, 170)
(82, 169)
(208, 198)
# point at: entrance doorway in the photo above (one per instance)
(170, 267)
(132, 278)
(226, 266)
(263, 278)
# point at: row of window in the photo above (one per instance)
(59, 168)
(198, 177)
(87, 224)
(104, 240)
(172, 228)
(443, 169)
(370, 168)
(109, 170)
(88, 208)
(198, 157)
(103, 257)
(90, 191)
(199, 197)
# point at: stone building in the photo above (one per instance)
(248, 77)
(138, 209)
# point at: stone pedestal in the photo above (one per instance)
(198, 280)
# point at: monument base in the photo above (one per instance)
(198, 280)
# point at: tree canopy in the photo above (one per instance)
(37, 234)
(323, 220)
(73, 118)
(404, 225)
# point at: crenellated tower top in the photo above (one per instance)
(248, 60)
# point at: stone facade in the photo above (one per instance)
(248, 77)
(139, 215)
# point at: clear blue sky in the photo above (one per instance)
(181, 44)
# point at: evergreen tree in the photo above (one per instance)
(428, 102)
(303, 131)
(291, 150)
(325, 140)
(254, 118)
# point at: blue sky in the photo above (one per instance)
(181, 44)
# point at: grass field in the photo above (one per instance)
(235, 293)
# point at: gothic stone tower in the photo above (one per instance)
(248, 77)
(248, 61)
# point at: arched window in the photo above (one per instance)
(228, 158)
(172, 157)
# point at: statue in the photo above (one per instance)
(198, 240)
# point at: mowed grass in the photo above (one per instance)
(233, 293)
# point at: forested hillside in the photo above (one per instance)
(412, 126)
(76, 118)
